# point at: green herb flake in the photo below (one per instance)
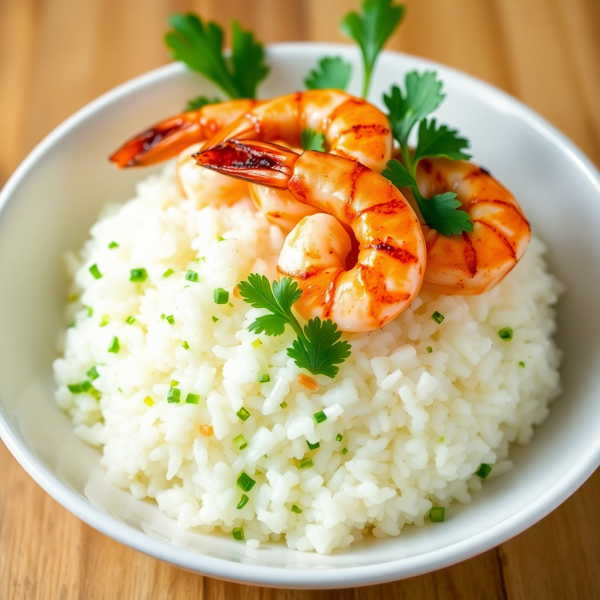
(192, 399)
(442, 439)
(339, 437)
(148, 401)
(104, 320)
(483, 470)
(95, 271)
(185, 345)
(238, 533)
(296, 509)
(215, 319)
(93, 373)
(256, 343)
(320, 416)
(317, 347)
(114, 345)
(344, 451)
(138, 275)
(263, 378)
(168, 273)
(429, 349)
(437, 317)
(174, 383)
(243, 414)
(74, 388)
(522, 364)
(90, 311)
(174, 395)
(306, 463)
(130, 320)
(220, 238)
(221, 296)
(113, 245)
(245, 482)
(240, 442)
(437, 514)
(283, 404)
(170, 319)
(506, 333)
(313, 446)
(243, 501)
(192, 276)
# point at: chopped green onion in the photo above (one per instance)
(506, 333)
(442, 439)
(163, 316)
(220, 238)
(170, 319)
(90, 311)
(429, 349)
(313, 446)
(483, 470)
(283, 404)
(437, 514)
(186, 345)
(264, 378)
(191, 276)
(114, 346)
(344, 451)
(221, 296)
(95, 271)
(243, 501)
(256, 343)
(93, 373)
(192, 399)
(320, 416)
(240, 442)
(245, 482)
(168, 273)
(339, 437)
(113, 245)
(148, 401)
(104, 321)
(522, 364)
(238, 533)
(86, 386)
(174, 395)
(296, 509)
(243, 414)
(307, 463)
(74, 388)
(437, 317)
(215, 319)
(138, 275)
(130, 320)
(174, 383)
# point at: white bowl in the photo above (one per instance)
(55, 196)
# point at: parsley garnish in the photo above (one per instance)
(199, 102)
(200, 46)
(423, 95)
(371, 29)
(317, 347)
(332, 72)
(312, 140)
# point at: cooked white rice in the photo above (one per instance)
(416, 423)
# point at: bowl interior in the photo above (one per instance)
(57, 195)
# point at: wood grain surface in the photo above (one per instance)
(57, 55)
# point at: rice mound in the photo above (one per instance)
(420, 405)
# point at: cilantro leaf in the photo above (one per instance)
(423, 96)
(312, 140)
(440, 141)
(396, 172)
(317, 346)
(199, 102)
(324, 351)
(200, 46)
(371, 29)
(441, 212)
(331, 73)
(248, 60)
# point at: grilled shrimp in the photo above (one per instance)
(388, 272)
(475, 261)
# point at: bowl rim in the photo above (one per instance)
(301, 578)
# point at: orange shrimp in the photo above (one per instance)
(475, 261)
(389, 270)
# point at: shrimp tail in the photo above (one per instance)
(161, 142)
(258, 162)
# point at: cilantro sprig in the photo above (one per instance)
(317, 346)
(199, 102)
(312, 140)
(199, 45)
(423, 95)
(371, 29)
(330, 73)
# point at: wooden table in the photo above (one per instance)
(57, 55)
